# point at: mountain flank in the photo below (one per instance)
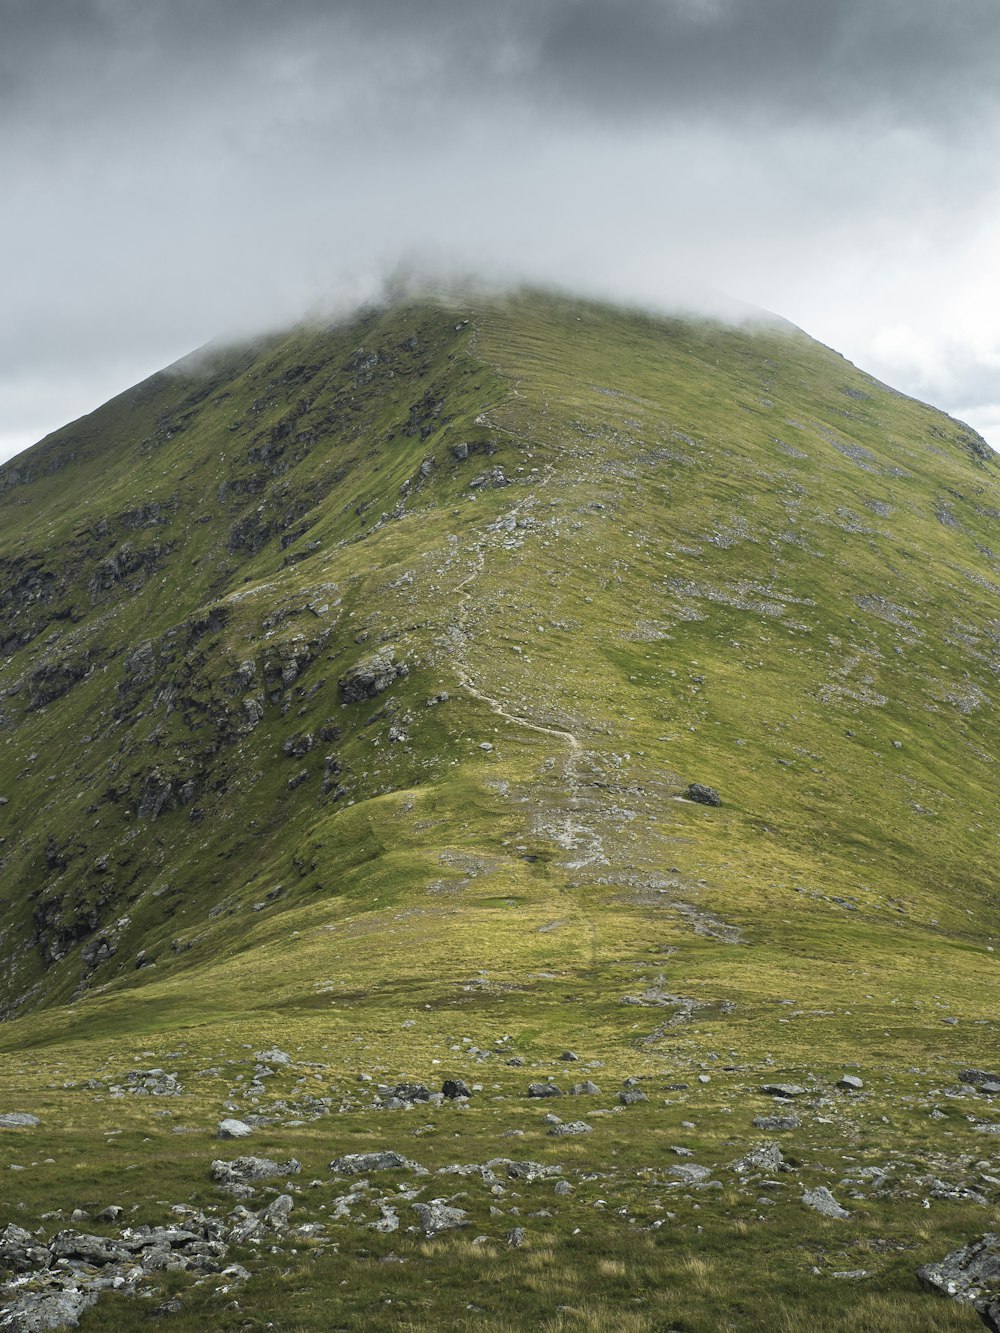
(513, 693)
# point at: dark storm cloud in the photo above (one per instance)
(922, 59)
(176, 168)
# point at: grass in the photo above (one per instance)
(725, 556)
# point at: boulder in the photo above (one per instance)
(248, 1170)
(438, 1216)
(20, 1252)
(783, 1090)
(632, 1096)
(18, 1120)
(544, 1090)
(767, 1157)
(820, 1200)
(233, 1129)
(455, 1087)
(96, 1250)
(702, 795)
(360, 1163)
(772, 1123)
(34, 1312)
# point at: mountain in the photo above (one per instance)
(465, 686)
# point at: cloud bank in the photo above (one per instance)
(183, 169)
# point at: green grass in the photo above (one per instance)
(725, 556)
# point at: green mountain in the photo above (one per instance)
(353, 687)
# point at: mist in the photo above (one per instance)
(178, 172)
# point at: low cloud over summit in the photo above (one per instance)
(180, 170)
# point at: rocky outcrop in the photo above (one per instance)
(971, 1275)
(371, 676)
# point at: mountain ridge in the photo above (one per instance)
(368, 671)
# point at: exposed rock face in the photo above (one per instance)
(371, 676)
(970, 1274)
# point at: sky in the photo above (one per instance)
(175, 171)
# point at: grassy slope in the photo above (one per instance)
(724, 556)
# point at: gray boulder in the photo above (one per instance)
(977, 1077)
(96, 1250)
(772, 1123)
(544, 1090)
(820, 1200)
(702, 795)
(571, 1127)
(438, 1216)
(783, 1090)
(18, 1120)
(455, 1087)
(248, 1170)
(35, 1312)
(690, 1173)
(766, 1157)
(585, 1089)
(632, 1096)
(360, 1163)
(275, 1056)
(233, 1129)
(527, 1171)
(20, 1252)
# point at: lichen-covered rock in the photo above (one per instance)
(820, 1200)
(360, 1163)
(247, 1170)
(438, 1216)
(767, 1157)
(972, 1275)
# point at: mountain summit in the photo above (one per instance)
(471, 686)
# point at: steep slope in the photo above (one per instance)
(360, 675)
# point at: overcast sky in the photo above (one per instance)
(173, 170)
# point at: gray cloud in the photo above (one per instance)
(179, 168)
